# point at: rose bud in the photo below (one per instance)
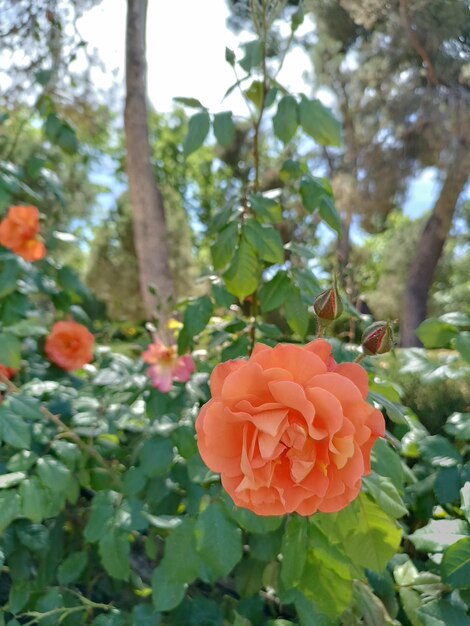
(377, 338)
(328, 305)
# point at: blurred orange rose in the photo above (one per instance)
(19, 230)
(69, 345)
(289, 429)
(8, 372)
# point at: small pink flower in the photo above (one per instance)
(166, 366)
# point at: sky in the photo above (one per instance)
(186, 43)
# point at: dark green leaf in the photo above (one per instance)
(166, 594)
(13, 430)
(114, 549)
(229, 56)
(9, 508)
(318, 122)
(312, 191)
(329, 214)
(242, 277)
(196, 317)
(224, 128)
(385, 494)
(286, 119)
(442, 613)
(102, 509)
(266, 209)
(458, 425)
(181, 561)
(72, 567)
(439, 451)
(223, 248)
(34, 499)
(253, 55)
(294, 551)
(266, 240)
(274, 293)
(156, 456)
(455, 566)
(8, 277)
(53, 474)
(218, 541)
(296, 312)
(198, 128)
(462, 343)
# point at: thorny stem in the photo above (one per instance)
(68, 432)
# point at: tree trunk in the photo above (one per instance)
(150, 233)
(430, 246)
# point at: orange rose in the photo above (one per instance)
(8, 372)
(289, 429)
(18, 232)
(69, 345)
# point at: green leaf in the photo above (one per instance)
(229, 56)
(312, 192)
(294, 551)
(286, 119)
(370, 537)
(198, 129)
(253, 55)
(308, 612)
(458, 425)
(462, 344)
(35, 537)
(255, 93)
(296, 312)
(10, 350)
(434, 333)
(251, 522)
(19, 595)
(11, 479)
(13, 430)
(442, 613)
(387, 462)
(156, 457)
(329, 214)
(8, 277)
(385, 494)
(218, 541)
(265, 209)
(53, 474)
(242, 277)
(114, 549)
(26, 407)
(437, 535)
(274, 293)
(67, 139)
(9, 508)
(438, 451)
(166, 594)
(196, 317)
(72, 568)
(102, 510)
(393, 410)
(34, 500)
(318, 122)
(447, 485)
(465, 496)
(181, 561)
(193, 103)
(222, 249)
(266, 240)
(224, 128)
(455, 566)
(326, 578)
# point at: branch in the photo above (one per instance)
(417, 45)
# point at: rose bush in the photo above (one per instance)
(289, 429)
